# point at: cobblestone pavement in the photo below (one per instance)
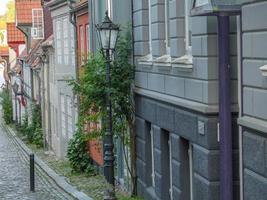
(14, 175)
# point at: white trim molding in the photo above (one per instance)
(264, 70)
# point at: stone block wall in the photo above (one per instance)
(254, 88)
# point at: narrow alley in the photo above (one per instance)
(14, 175)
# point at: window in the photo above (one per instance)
(58, 41)
(152, 158)
(170, 164)
(186, 149)
(81, 30)
(167, 26)
(187, 59)
(149, 156)
(72, 46)
(150, 26)
(188, 27)
(147, 59)
(37, 30)
(66, 41)
(69, 118)
(165, 59)
(87, 38)
(109, 8)
(63, 115)
(190, 155)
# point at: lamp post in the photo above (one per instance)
(15, 90)
(107, 35)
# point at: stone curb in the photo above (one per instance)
(59, 180)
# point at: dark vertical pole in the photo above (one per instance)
(108, 140)
(32, 181)
(16, 109)
(226, 167)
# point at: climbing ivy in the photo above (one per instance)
(33, 130)
(92, 89)
(6, 103)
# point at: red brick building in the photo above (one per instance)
(82, 31)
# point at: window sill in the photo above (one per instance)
(264, 70)
(163, 63)
(184, 63)
(146, 60)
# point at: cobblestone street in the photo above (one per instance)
(14, 175)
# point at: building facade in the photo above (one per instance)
(63, 68)
(177, 103)
(253, 114)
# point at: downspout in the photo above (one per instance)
(41, 99)
(72, 19)
(225, 118)
(240, 98)
(91, 25)
(45, 60)
(133, 132)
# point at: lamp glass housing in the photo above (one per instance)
(107, 33)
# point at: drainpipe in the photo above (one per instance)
(240, 99)
(45, 60)
(133, 133)
(74, 23)
(225, 126)
(72, 19)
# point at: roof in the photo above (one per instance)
(24, 10)
(14, 35)
(4, 51)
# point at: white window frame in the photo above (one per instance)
(167, 25)
(37, 24)
(87, 36)
(58, 28)
(190, 156)
(69, 117)
(82, 33)
(66, 40)
(109, 8)
(72, 45)
(185, 62)
(188, 46)
(152, 158)
(63, 116)
(147, 59)
(170, 160)
(150, 27)
(165, 60)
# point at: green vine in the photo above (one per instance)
(6, 106)
(33, 130)
(92, 89)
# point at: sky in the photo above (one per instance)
(3, 6)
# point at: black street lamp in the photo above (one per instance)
(107, 35)
(15, 88)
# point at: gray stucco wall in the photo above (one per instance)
(254, 118)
